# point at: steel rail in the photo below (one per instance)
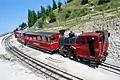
(27, 59)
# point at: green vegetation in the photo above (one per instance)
(54, 5)
(32, 18)
(33, 28)
(72, 9)
(69, 1)
(59, 5)
(23, 25)
(103, 1)
(83, 2)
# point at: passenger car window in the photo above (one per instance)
(43, 39)
(26, 37)
(47, 39)
(17, 35)
(34, 38)
(52, 39)
(38, 38)
(30, 38)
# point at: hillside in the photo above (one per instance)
(75, 9)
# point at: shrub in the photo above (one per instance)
(84, 11)
(52, 17)
(67, 15)
(103, 1)
(83, 2)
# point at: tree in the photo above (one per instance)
(59, 5)
(49, 8)
(54, 5)
(40, 23)
(69, 1)
(83, 2)
(39, 15)
(32, 18)
(65, 2)
(42, 10)
(29, 18)
(23, 25)
(44, 16)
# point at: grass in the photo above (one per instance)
(82, 10)
(78, 10)
(33, 28)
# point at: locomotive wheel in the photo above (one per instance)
(72, 54)
(77, 59)
(64, 55)
(103, 60)
(62, 51)
(106, 54)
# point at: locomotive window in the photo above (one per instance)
(92, 40)
(81, 40)
(103, 39)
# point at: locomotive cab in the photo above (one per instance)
(87, 46)
(94, 45)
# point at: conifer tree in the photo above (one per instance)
(54, 5)
(59, 5)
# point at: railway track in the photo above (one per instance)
(39, 66)
(110, 67)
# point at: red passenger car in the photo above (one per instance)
(44, 40)
(20, 35)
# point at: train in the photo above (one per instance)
(89, 46)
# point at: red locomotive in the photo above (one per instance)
(90, 46)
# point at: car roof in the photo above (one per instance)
(90, 34)
(22, 31)
(42, 33)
